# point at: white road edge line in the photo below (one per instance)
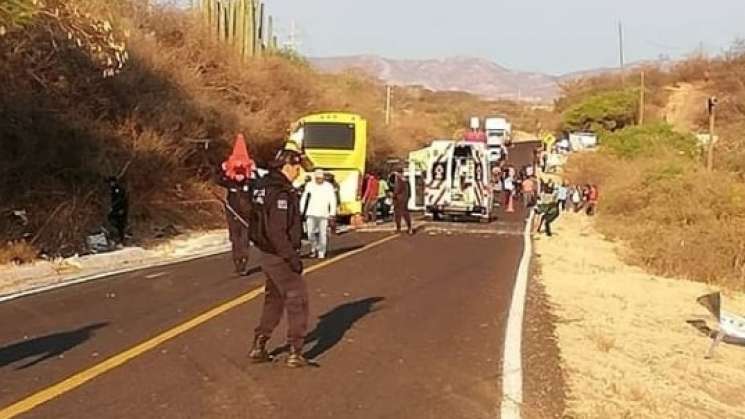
(66, 283)
(512, 369)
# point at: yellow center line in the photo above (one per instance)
(115, 361)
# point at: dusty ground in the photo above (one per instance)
(685, 106)
(625, 345)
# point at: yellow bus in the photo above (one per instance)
(337, 143)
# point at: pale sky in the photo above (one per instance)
(551, 36)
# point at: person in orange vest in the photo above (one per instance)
(370, 198)
(236, 176)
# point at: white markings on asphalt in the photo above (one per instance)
(512, 369)
(156, 275)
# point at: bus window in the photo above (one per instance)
(328, 136)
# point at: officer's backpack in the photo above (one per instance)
(258, 230)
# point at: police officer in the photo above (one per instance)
(278, 236)
(237, 209)
(236, 176)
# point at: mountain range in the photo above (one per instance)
(467, 74)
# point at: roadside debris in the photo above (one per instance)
(731, 326)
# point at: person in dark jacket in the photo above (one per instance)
(237, 208)
(236, 177)
(401, 202)
(119, 208)
(279, 238)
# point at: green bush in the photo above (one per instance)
(14, 13)
(648, 140)
(606, 111)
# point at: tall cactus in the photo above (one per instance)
(244, 24)
(270, 33)
(251, 28)
(261, 28)
(231, 22)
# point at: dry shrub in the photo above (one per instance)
(65, 127)
(678, 219)
(17, 251)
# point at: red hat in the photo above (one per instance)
(239, 161)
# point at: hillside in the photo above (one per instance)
(474, 75)
(467, 74)
(143, 91)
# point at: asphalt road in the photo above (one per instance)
(412, 327)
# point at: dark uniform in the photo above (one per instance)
(279, 238)
(401, 203)
(119, 208)
(238, 200)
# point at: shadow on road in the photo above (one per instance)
(333, 325)
(42, 348)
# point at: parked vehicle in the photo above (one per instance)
(458, 181)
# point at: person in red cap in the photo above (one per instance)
(236, 176)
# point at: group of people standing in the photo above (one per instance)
(380, 195)
(269, 213)
(266, 211)
(546, 198)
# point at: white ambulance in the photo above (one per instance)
(458, 181)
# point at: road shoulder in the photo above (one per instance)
(623, 335)
(544, 377)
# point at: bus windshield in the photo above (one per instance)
(329, 136)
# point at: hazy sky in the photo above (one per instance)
(552, 36)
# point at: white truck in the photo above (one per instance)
(583, 140)
(498, 135)
(458, 181)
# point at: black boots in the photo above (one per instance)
(241, 266)
(258, 353)
(296, 359)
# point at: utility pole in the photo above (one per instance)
(711, 105)
(641, 102)
(620, 52)
(388, 104)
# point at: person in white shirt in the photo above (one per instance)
(318, 204)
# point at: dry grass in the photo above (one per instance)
(677, 219)
(623, 336)
(17, 251)
(65, 127)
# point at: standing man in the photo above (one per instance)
(562, 195)
(119, 208)
(371, 198)
(508, 188)
(319, 201)
(592, 199)
(236, 177)
(381, 206)
(277, 230)
(529, 191)
(401, 202)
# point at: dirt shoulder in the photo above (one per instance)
(625, 346)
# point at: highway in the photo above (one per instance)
(404, 327)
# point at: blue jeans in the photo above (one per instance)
(318, 228)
